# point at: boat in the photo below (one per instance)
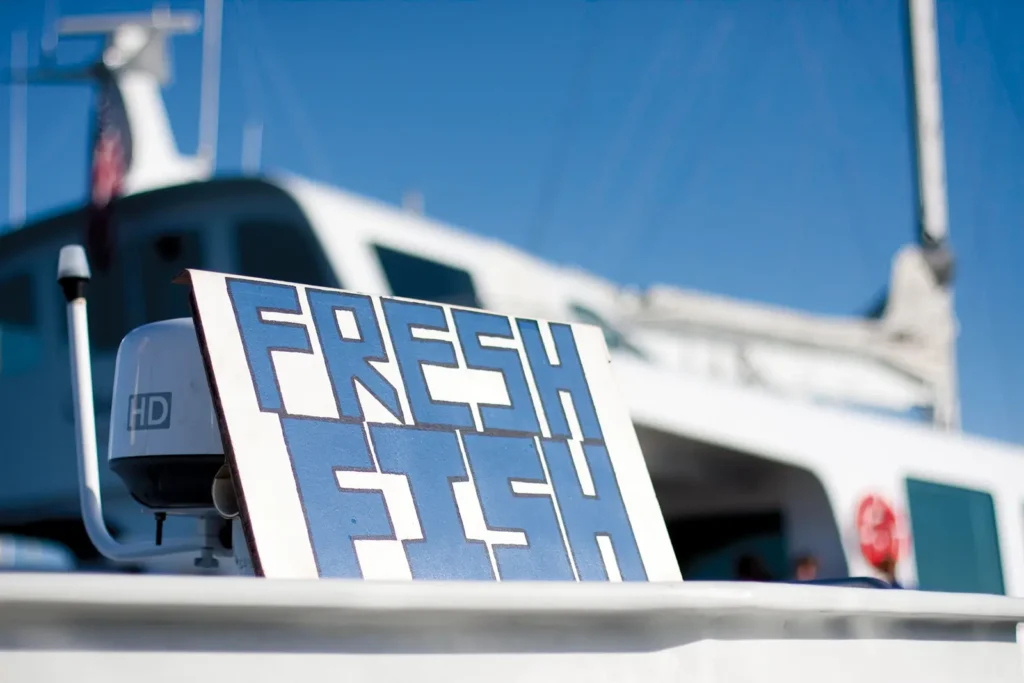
(410, 471)
(758, 425)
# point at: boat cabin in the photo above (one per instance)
(738, 471)
(728, 398)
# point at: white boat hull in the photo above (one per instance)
(108, 629)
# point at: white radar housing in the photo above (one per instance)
(165, 441)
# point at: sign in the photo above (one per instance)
(877, 531)
(383, 438)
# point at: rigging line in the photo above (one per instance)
(668, 50)
(651, 229)
(301, 124)
(997, 66)
(901, 106)
(565, 133)
(839, 151)
(254, 113)
(51, 15)
(18, 132)
(58, 138)
(665, 139)
(888, 91)
(976, 242)
(980, 248)
(251, 90)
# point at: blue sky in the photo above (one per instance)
(751, 148)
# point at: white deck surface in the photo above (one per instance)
(120, 628)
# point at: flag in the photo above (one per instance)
(109, 164)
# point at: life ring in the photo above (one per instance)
(878, 531)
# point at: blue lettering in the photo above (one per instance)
(567, 376)
(432, 461)
(348, 359)
(413, 354)
(587, 516)
(260, 337)
(335, 516)
(520, 415)
(495, 461)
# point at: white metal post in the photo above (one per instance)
(210, 97)
(931, 172)
(18, 132)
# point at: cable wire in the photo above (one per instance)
(564, 133)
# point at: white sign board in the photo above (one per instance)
(383, 438)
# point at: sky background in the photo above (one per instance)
(752, 148)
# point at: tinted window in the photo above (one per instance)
(162, 258)
(955, 540)
(708, 547)
(277, 251)
(612, 337)
(19, 332)
(418, 278)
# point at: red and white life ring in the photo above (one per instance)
(879, 531)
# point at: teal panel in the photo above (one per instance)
(956, 544)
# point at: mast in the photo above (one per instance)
(931, 163)
(412, 202)
(933, 211)
(252, 147)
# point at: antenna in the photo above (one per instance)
(49, 39)
(252, 147)
(413, 202)
(931, 177)
(209, 100)
(73, 275)
(19, 125)
(931, 159)
(135, 64)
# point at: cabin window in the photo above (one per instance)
(108, 312)
(162, 259)
(956, 544)
(19, 331)
(419, 278)
(279, 251)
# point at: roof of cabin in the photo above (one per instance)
(54, 224)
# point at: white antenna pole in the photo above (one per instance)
(931, 155)
(50, 15)
(209, 101)
(252, 147)
(931, 171)
(413, 202)
(73, 275)
(19, 97)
